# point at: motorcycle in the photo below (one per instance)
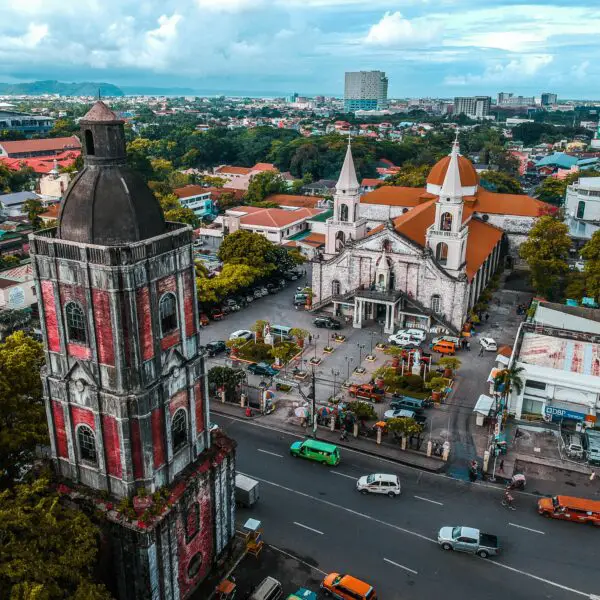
(517, 482)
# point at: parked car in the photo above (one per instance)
(231, 304)
(416, 333)
(403, 413)
(468, 539)
(272, 288)
(216, 347)
(291, 275)
(250, 298)
(241, 334)
(203, 320)
(216, 314)
(263, 290)
(327, 323)
(262, 368)
(379, 483)
(404, 340)
(488, 344)
(347, 587)
(257, 293)
(366, 391)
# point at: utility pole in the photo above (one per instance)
(314, 402)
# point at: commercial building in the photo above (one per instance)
(23, 123)
(510, 100)
(198, 199)
(558, 349)
(365, 90)
(582, 209)
(548, 99)
(476, 107)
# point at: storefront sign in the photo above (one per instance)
(556, 414)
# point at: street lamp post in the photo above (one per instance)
(335, 373)
(372, 334)
(360, 347)
(348, 361)
(315, 338)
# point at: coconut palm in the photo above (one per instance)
(507, 380)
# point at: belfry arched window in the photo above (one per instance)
(340, 240)
(179, 429)
(441, 253)
(343, 212)
(75, 318)
(167, 310)
(446, 222)
(87, 444)
(90, 150)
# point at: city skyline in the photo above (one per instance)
(281, 46)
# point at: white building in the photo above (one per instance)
(365, 90)
(17, 288)
(582, 208)
(476, 107)
(559, 351)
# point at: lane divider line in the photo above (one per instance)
(309, 528)
(428, 500)
(528, 528)
(387, 560)
(343, 475)
(271, 453)
(418, 535)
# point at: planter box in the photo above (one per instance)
(315, 361)
(328, 349)
(339, 338)
(360, 370)
(380, 346)
(371, 357)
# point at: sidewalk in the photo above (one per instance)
(361, 444)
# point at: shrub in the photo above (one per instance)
(256, 352)
(362, 410)
(413, 382)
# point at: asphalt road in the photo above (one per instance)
(315, 512)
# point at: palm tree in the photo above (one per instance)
(507, 380)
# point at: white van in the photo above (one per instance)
(281, 331)
(574, 446)
(268, 589)
(379, 483)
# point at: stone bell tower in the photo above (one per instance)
(125, 382)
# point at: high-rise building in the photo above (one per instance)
(549, 99)
(365, 90)
(510, 100)
(476, 107)
(125, 383)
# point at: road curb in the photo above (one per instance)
(341, 444)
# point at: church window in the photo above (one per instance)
(335, 287)
(441, 253)
(446, 224)
(87, 444)
(76, 332)
(167, 309)
(179, 429)
(387, 245)
(580, 209)
(436, 304)
(89, 143)
(194, 565)
(343, 212)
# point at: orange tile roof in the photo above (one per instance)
(228, 170)
(396, 196)
(264, 167)
(190, 190)
(414, 223)
(367, 182)
(468, 174)
(276, 217)
(318, 238)
(483, 237)
(509, 204)
(52, 212)
(50, 145)
(294, 200)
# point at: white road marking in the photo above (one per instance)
(271, 453)
(343, 475)
(309, 528)
(295, 558)
(528, 528)
(387, 560)
(416, 534)
(428, 500)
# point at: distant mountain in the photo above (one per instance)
(145, 90)
(36, 88)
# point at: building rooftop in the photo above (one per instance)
(17, 198)
(50, 145)
(322, 217)
(572, 318)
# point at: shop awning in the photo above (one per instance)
(484, 405)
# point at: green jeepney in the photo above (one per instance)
(316, 450)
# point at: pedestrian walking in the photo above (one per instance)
(501, 469)
(468, 346)
(487, 316)
(481, 351)
(309, 338)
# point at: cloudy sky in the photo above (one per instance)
(427, 47)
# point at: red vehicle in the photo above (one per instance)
(216, 314)
(366, 391)
(203, 320)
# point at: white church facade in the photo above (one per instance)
(423, 264)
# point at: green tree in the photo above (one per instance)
(227, 378)
(506, 381)
(63, 128)
(248, 248)
(284, 351)
(47, 551)
(496, 181)
(410, 176)
(263, 185)
(8, 261)
(34, 209)
(183, 215)
(552, 190)
(546, 251)
(22, 414)
(161, 168)
(575, 287)
(404, 426)
(231, 279)
(591, 253)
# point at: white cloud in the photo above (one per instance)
(394, 30)
(581, 71)
(513, 41)
(30, 39)
(228, 6)
(517, 69)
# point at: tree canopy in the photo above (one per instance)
(591, 253)
(263, 185)
(496, 181)
(546, 251)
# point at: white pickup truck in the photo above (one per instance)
(468, 539)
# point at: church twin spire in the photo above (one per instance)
(452, 186)
(347, 182)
